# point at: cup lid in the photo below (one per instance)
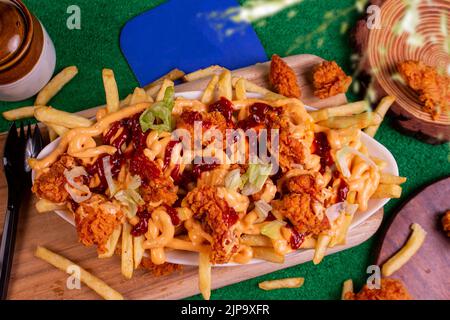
(13, 30)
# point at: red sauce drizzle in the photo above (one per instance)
(230, 217)
(141, 227)
(116, 161)
(173, 215)
(322, 148)
(168, 152)
(121, 139)
(142, 166)
(224, 106)
(258, 115)
(342, 191)
(296, 239)
(190, 117)
(270, 217)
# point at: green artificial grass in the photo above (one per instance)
(313, 26)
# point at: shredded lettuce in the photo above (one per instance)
(254, 178)
(273, 229)
(159, 115)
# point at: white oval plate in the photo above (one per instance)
(375, 149)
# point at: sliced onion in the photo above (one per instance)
(262, 208)
(135, 183)
(272, 229)
(107, 168)
(74, 193)
(73, 173)
(333, 212)
(249, 189)
(342, 163)
(135, 196)
(233, 179)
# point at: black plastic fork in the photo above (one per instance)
(19, 147)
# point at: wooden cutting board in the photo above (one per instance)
(35, 279)
(426, 274)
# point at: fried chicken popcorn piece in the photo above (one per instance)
(433, 89)
(96, 220)
(391, 289)
(446, 223)
(329, 80)
(283, 79)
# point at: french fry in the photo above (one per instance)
(153, 91)
(111, 244)
(204, 274)
(139, 95)
(413, 244)
(127, 251)
(256, 240)
(111, 91)
(173, 75)
(381, 110)
(52, 135)
(241, 93)
(347, 287)
(268, 254)
(55, 85)
(321, 247)
(360, 121)
(287, 283)
(59, 130)
(308, 243)
(90, 280)
(341, 232)
(387, 191)
(44, 205)
(19, 113)
(61, 118)
(138, 250)
(208, 94)
(252, 87)
(203, 73)
(167, 83)
(225, 88)
(387, 178)
(340, 111)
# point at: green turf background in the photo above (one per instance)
(96, 46)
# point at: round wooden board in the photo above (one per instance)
(381, 49)
(426, 275)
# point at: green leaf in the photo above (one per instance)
(159, 115)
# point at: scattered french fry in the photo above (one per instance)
(208, 94)
(387, 191)
(225, 88)
(381, 110)
(204, 274)
(138, 250)
(55, 85)
(321, 247)
(91, 281)
(111, 244)
(340, 111)
(59, 130)
(360, 121)
(387, 178)
(166, 83)
(127, 251)
(60, 118)
(347, 287)
(52, 135)
(203, 73)
(413, 244)
(111, 91)
(173, 75)
(241, 93)
(287, 283)
(44, 205)
(268, 254)
(19, 113)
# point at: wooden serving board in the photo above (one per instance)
(426, 275)
(382, 64)
(35, 279)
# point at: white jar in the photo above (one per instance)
(27, 54)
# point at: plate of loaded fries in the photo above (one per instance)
(234, 174)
